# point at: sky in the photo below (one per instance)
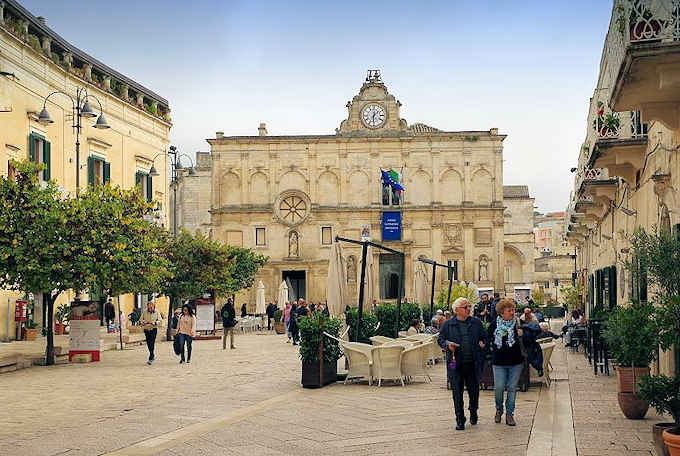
(528, 68)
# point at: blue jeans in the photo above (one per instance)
(506, 378)
(185, 338)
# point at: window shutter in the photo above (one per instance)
(31, 147)
(107, 172)
(138, 179)
(591, 291)
(149, 188)
(90, 171)
(46, 160)
(612, 287)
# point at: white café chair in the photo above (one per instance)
(414, 362)
(387, 363)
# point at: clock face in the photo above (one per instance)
(373, 116)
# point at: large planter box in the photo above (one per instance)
(311, 374)
(279, 327)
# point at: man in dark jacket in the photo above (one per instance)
(483, 309)
(228, 323)
(463, 338)
(271, 308)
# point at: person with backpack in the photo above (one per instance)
(228, 322)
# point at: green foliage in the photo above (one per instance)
(366, 329)
(572, 296)
(277, 315)
(660, 252)
(387, 316)
(31, 324)
(63, 314)
(471, 138)
(611, 121)
(667, 322)
(246, 263)
(631, 336)
(662, 393)
(538, 295)
(457, 291)
(34, 42)
(311, 332)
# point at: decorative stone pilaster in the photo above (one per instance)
(107, 83)
(124, 91)
(47, 46)
(87, 71)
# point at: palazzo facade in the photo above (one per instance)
(289, 196)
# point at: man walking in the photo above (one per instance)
(228, 323)
(463, 338)
(483, 309)
(150, 320)
(271, 308)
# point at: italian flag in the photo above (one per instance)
(395, 177)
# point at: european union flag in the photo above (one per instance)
(387, 179)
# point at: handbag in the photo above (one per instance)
(176, 345)
(520, 339)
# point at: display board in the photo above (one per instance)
(205, 317)
(84, 329)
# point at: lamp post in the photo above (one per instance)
(80, 107)
(176, 164)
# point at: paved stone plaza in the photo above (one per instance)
(249, 401)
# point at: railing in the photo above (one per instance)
(637, 21)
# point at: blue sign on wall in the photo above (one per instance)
(391, 226)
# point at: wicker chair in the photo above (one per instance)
(380, 340)
(414, 362)
(547, 349)
(360, 361)
(387, 363)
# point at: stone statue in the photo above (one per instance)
(483, 269)
(293, 245)
(351, 268)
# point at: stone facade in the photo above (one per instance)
(518, 219)
(289, 196)
(125, 151)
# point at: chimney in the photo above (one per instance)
(493, 131)
(42, 20)
(219, 134)
(262, 129)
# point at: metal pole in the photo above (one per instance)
(434, 276)
(78, 141)
(364, 250)
(8, 320)
(448, 296)
(120, 325)
(401, 287)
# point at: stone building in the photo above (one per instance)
(35, 62)
(554, 258)
(289, 196)
(518, 217)
(628, 173)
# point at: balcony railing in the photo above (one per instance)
(637, 21)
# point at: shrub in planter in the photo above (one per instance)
(319, 371)
(279, 327)
(63, 316)
(632, 342)
(662, 393)
(366, 329)
(387, 316)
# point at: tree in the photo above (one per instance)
(38, 249)
(660, 253)
(538, 295)
(572, 296)
(458, 291)
(246, 265)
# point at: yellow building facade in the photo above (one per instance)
(628, 174)
(35, 62)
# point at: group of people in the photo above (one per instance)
(465, 341)
(293, 312)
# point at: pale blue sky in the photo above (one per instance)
(528, 69)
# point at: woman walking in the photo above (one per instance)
(508, 361)
(293, 325)
(186, 331)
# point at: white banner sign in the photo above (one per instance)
(205, 317)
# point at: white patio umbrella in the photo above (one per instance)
(260, 308)
(336, 284)
(283, 295)
(369, 281)
(421, 285)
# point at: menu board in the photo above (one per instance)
(85, 335)
(205, 317)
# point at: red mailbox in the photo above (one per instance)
(20, 309)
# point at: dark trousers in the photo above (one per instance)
(185, 338)
(150, 335)
(464, 375)
(269, 323)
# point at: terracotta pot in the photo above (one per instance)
(58, 329)
(672, 439)
(624, 378)
(31, 334)
(657, 431)
(632, 406)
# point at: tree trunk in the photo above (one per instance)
(171, 310)
(49, 349)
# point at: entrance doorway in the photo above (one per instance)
(296, 284)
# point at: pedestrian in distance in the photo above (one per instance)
(150, 320)
(186, 331)
(463, 337)
(244, 310)
(228, 322)
(109, 313)
(285, 318)
(293, 324)
(508, 361)
(271, 309)
(483, 309)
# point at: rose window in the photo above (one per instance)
(293, 209)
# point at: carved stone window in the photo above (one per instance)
(292, 207)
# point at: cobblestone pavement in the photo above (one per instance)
(599, 425)
(249, 402)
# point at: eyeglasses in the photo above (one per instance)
(465, 307)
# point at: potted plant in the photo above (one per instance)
(632, 342)
(31, 329)
(63, 316)
(279, 326)
(319, 354)
(663, 393)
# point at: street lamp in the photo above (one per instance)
(176, 164)
(80, 107)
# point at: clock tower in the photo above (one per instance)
(373, 112)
